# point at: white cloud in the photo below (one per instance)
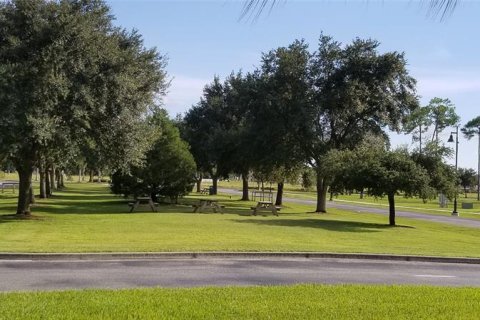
(183, 92)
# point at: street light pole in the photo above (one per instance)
(478, 171)
(455, 212)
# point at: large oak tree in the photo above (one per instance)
(67, 74)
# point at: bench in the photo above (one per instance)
(278, 208)
(270, 208)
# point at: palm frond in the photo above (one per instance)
(252, 9)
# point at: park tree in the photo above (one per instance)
(243, 95)
(442, 115)
(67, 72)
(275, 121)
(467, 178)
(418, 123)
(471, 129)
(443, 178)
(381, 173)
(355, 91)
(209, 129)
(168, 168)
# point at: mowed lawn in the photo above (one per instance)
(270, 302)
(414, 204)
(87, 218)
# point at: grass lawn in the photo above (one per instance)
(86, 218)
(271, 302)
(401, 203)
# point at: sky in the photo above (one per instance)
(206, 38)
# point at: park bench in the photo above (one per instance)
(143, 201)
(265, 206)
(207, 204)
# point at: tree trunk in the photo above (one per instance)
(420, 139)
(391, 208)
(465, 191)
(58, 181)
(215, 183)
(90, 178)
(80, 169)
(199, 183)
(331, 195)
(62, 181)
(154, 197)
(322, 190)
(53, 180)
(25, 183)
(245, 187)
(279, 200)
(43, 191)
(48, 185)
(31, 194)
(361, 194)
(99, 180)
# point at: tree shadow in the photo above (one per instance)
(330, 225)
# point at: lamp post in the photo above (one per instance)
(478, 171)
(455, 212)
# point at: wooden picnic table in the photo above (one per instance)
(8, 183)
(262, 195)
(266, 206)
(203, 204)
(145, 201)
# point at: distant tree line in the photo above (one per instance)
(325, 111)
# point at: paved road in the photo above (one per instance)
(20, 275)
(459, 221)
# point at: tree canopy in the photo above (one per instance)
(168, 168)
(67, 75)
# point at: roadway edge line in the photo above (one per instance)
(232, 255)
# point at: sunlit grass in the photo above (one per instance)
(86, 218)
(271, 302)
(415, 204)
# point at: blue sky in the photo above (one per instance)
(206, 38)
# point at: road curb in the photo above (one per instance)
(232, 255)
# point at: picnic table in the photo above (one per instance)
(262, 195)
(8, 184)
(203, 204)
(265, 206)
(143, 201)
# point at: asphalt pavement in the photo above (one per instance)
(52, 274)
(365, 208)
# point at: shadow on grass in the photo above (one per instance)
(330, 225)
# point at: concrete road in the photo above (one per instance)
(20, 275)
(364, 208)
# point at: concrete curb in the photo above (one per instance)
(232, 255)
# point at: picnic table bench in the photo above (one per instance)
(8, 184)
(143, 201)
(262, 195)
(203, 204)
(265, 206)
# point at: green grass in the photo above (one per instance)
(86, 218)
(272, 302)
(411, 204)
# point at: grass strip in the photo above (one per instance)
(268, 302)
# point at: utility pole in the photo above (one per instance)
(478, 171)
